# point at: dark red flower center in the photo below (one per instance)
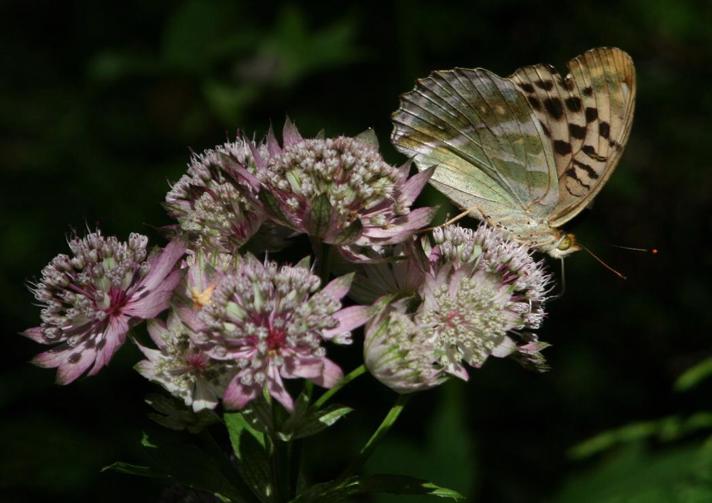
(117, 300)
(276, 338)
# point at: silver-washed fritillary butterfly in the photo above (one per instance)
(528, 152)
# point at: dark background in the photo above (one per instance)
(102, 102)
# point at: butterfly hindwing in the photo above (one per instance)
(490, 150)
(587, 117)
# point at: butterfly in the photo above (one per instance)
(525, 153)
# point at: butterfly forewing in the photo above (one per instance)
(586, 116)
(490, 150)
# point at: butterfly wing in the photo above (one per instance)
(490, 150)
(587, 117)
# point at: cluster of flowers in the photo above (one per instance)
(236, 326)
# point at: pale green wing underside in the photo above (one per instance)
(490, 150)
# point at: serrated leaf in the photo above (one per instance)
(237, 425)
(199, 467)
(254, 467)
(175, 415)
(312, 422)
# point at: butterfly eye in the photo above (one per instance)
(565, 243)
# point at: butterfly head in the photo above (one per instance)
(564, 246)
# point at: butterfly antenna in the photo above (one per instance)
(652, 251)
(600, 261)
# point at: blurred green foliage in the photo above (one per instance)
(102, 102)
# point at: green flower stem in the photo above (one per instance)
(380, 432)
(280, 462)
(361, 369)
(323, 254)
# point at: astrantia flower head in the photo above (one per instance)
(397, 352)
(271, 322)
(484, 296)
(340, 191)
(91, 299)
(215, 202)
(182, 368)
(204, 271)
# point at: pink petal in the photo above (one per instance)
(349, 319)
(458, 371)
(113, 338)
(339, 287)
(416, 219)
(36, 334)
(272, 144)
(237, 395)
(414, 186)
(277, 389)
(161, 266)
(153, 301)
(70, 371)
(290, 134)
(304, 367)
(330, 375)
(156, 329)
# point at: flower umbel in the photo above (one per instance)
(397, 352)
(340, 191)
(271, 322)
(215, 201)
(182, 368)
(483, 296)
(91, 299)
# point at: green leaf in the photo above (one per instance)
(137, 470)
(174, 415)
(237, 424)
(254, 467)
(312, 422)
(402, 484)
(694, 375)
(667, 429)
(340, 490)
(195, 467)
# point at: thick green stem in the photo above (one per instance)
(380, 432)
(361, 369)
(322, 252)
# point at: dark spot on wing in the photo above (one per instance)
(562, 147)
(576, 131)
(101, 344)
(526, 87)
(74, 357)
(571, 172)
(545, 128)
(604, 129)
(534, 102)
(553, 106)
(587, 91)
(546, 85)
(573, 103)
(591, 152)
(588, 169)
(591, 114)
(568, 83)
